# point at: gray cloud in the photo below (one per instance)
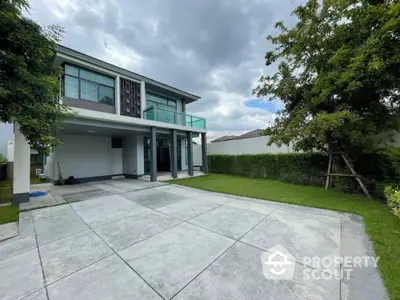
(213, 48)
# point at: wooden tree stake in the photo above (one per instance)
(329, 174)
(328, 178)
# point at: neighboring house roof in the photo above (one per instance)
(223, 138)
(250, 134)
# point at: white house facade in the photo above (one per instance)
(125, 124)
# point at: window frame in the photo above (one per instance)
(173, 107)
(64, 86)
(79, 78)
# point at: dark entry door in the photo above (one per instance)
(163, 160)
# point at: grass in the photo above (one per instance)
(381, 225)
(5, 191)
(36, 180)
(6, 188)
(8, 214)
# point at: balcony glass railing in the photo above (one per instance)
(173, 117)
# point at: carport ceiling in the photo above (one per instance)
(85, 129)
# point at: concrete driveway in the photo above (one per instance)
(165, 241)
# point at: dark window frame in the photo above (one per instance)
(170, 107)
(79, 78)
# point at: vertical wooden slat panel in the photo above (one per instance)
(130, 98)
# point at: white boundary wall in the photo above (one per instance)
(255, 145)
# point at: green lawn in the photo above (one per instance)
(36, 180)
(8, 214)
(6, 188)
(5, 191)
(382, 226)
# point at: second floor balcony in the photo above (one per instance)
(170, 116)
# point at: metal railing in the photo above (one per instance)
(173, 117)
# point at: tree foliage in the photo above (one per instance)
(29, 86)
(338, 75)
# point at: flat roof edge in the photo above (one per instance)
(90, 59)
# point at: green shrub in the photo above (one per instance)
(3, 159)
(306, 169)
(301, 178)
(393, 199)
(377, 169)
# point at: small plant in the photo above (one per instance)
(393, 199)
(3, 159)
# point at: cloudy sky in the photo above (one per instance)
(212, 48)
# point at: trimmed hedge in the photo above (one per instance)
(377, 169)
(393, 199)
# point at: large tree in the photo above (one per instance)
(29, 85)
(338, 75)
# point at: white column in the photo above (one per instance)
(117, 97)
(140, 155)
(183, 155)
(142, 98)
(132, 156)
(22, 163)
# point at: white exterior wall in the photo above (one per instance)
(132, 155)
(10, 151)
(197, 157)
(139, 124)
(183, 156)
(83, 156)
(386, 140)
(22, 163)
(128, 155)
(256, 145)
(117, 161)
(49, 167)
(140, 154)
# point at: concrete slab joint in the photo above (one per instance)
(147, 240)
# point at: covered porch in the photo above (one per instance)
(95, 150)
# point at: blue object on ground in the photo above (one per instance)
(37, 194)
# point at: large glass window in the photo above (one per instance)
(160, 102)
(71, 87)
(80, 83)
(106, 95)
(89, 90)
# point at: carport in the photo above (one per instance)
(94, 149)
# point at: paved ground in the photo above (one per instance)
(141, 240)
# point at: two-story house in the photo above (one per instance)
(124, 124)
